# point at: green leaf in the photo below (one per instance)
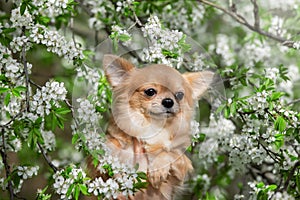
(140, 185)
(226, 112)
(8, 30)
(7, 99)
(23, 7)
(280, 124)
(71, 187)
(20, 88)
(189, 148)
(220, 108)
(75, 138)
(83, 189)
(202, 137)
(169, 54)
(2, 90)
(279, 140)
(62, 111)
(272, 187)
(276, 95)
(142, 175)
(260, 185)
(298, 181)
(184, 46)
(16, 93)
(43, 20)
(233, 108)
(76, 192)
(124, 37)
(262, 195)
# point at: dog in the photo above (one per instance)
(150, 122)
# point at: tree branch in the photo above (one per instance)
(293, 102)
(6, 166)
(47, 158)
(26, 73)
(255, 28)
(256, 14)
(290, 176)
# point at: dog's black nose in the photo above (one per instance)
(167, 103)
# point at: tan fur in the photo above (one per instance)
(143, 131)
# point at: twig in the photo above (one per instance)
(47, 158)
(240, 19)
(293, 102)
(35, 84)
(256, 14)
(291, 174)
(6, 166)
(26, 74)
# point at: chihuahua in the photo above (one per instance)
(150, 125)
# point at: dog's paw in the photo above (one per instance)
(158, 175)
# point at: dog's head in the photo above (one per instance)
(152, 96)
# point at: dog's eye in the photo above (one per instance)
(150, 92)
(179, 95)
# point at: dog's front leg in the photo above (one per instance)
(159, 168)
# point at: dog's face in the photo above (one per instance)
(152, 96)
(158, 92)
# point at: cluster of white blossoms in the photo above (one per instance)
(121, 183)
(86, 111)
(49, 95)
(296, 45)
(49, 140)
(254, 52)
(120, 5)
(18, 20)
(55, 42)
(284, 5)
(51, 8)
(258, 102)
(91, 76)
(121, 34)
(223, 48)
(12, 69)
(288, 85)
(198, 62)
(63, 180)
(186, 21)
(26, 172)
(272, 73)
(87, 126)
(161, 40)
(40, 34)
(19, 42)
(274, 194)
(277, 26)
(98, 10)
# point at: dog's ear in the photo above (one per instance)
(116, 69)
(199, 81)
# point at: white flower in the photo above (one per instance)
(296, 45)
(152, 28)
(49, 140)
(223, 48)
(256, 51)
(55, 43)
(272, 73)
(26, 172)
(18, 20)
(52, 92)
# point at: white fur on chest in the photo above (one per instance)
(154, 136)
